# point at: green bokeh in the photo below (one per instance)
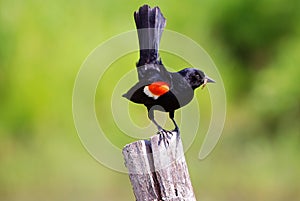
(256, 46)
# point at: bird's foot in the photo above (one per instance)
(177, 132)
(164, 136)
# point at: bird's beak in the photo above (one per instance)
(207, 80)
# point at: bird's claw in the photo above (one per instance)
(164, 136)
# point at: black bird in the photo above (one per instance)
(157, 88)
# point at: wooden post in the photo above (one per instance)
(158, 172)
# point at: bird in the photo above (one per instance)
(157, 88)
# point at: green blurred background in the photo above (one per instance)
(255, 44)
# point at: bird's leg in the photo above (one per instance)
(171, 115)
(176, 129)
(151, 117)
(164, 135)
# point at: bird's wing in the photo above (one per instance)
(147, 92)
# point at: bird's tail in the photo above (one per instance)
(150, 23)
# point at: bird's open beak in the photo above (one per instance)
(207, 80)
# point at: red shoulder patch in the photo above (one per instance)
(159, 88)
(156, 89)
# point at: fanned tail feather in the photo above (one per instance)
(150, 23)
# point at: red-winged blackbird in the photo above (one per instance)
(157, 88)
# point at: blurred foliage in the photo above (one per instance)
(255, 44)
(252, 33)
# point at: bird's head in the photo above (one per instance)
(195, 77)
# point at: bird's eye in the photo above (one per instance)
(197, 76)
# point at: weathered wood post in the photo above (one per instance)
(158, 172)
